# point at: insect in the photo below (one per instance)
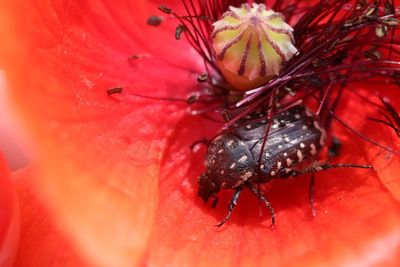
(234, 159)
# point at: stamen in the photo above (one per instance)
(179, 30)
(154, 20)
(165, 9)
(202, 78)
(115, 90)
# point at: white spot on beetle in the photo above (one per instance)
(242, 159)
(313, 149)
(323, 133)
(297, 116)
(285, 154)
(318, 168)
(287, 139)
(275, 126)
(246, 176)
(218, 138)
(230, 142)
(299, 155)
(248, 127)
(220, 151)
(279, 164)
(289, 161)
(302, 145)
(305, 127)
(222, 172)
(280, 146)
(272, 173)
(232, 166)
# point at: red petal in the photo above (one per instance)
(99, 154)
(41, 243)
(385, 163)
(9, 217)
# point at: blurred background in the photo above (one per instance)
(13, 139)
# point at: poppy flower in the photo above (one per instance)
(117, 173)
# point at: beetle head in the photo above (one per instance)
(207, 187)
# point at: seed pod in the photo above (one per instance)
(251, 44)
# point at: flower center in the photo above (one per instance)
(251, 44)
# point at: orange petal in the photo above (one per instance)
(9, 217)
(41, 243)
(99, 155)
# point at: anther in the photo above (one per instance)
(179, 30)
(115, 90)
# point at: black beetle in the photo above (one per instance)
(294, 139)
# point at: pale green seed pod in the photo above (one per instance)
(251, 43)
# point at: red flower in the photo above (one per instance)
(117, 171)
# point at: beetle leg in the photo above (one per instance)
(311, 194)
(232, 205)
(263, 199)
(326, 166)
